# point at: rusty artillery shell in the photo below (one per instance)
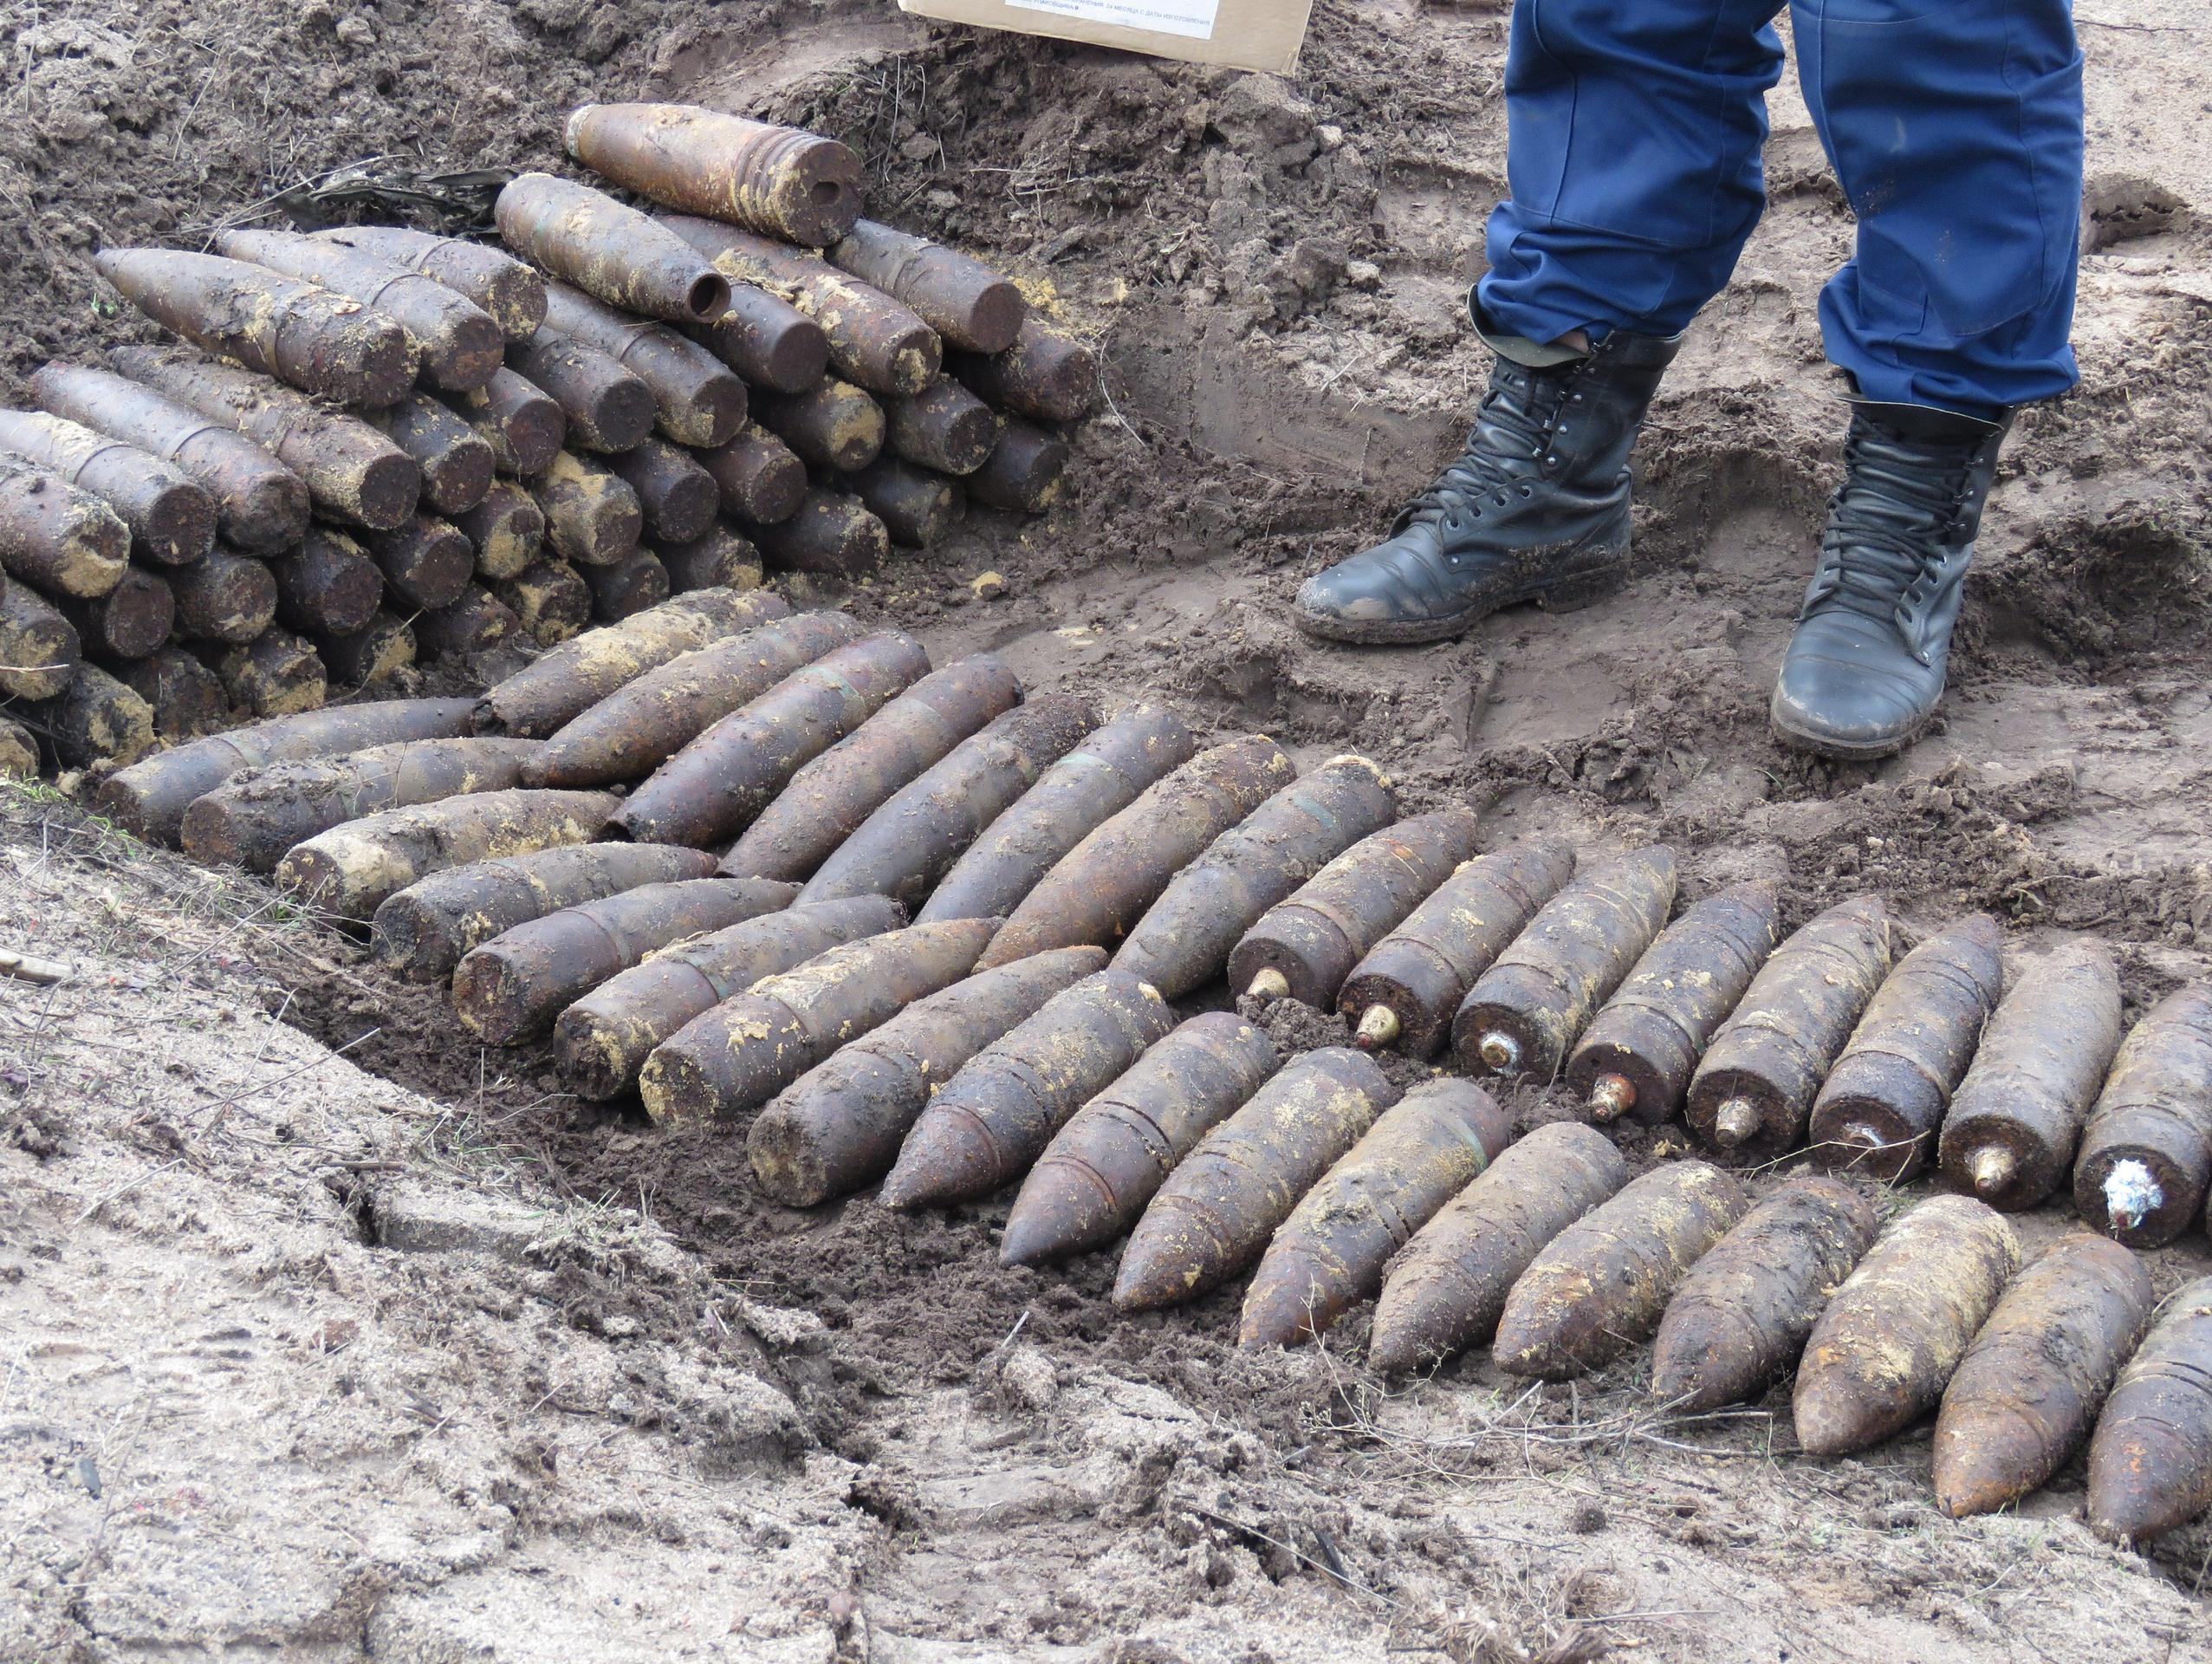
(1635, 1058)
(427, 563)
(129, 622)
(424, 931)
(2016, 1117)
(759, 478)
(474, 623)
(260, 505)
(507, 529)
(697, 399)
(328, 586)
(508, 291)
(721, 560)
(830, 797)
(1330, 1252)
(986, 1126)
(1047, 374)
(511, 988)
(873, 340)
(592, 517)
(18, 751)
(457, 342)
(171, 518)
(769, 342)
(2150, 1461)
(784, 181)
(734, 1058)
(1742, 1315)
(94, 720)
(907, 845)
(544, 697)
(838, 1128)
(56, 536)
(1022, 473)
(1882, 1103)
(1112, 1157)
(1185, 937)
(39, 650)
(1523, 1013)
(917, 508)
(251, 820)
(1406, 989)
(551, 599)
(832, 424)
(612, 252)
(603, 406)
(961, 298)
(353, 472)
(830, 534)
(276, 675)
(1303, 948)
(1214, 1214)
(603, 1039)
(150, 798)
(455, 460)
(1099, 778)
(223, 597)
(626, 588)
(712, 788)
(944, 427)
(186, 697)
(524, 424)
(677, 496)
(2146, 1153)
(1108, 882)
(1751, 1095)
(371, 654)
(305, 335)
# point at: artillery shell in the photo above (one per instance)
(1185, 937)
(603, 406)
(457, 342)
(1214, 1214)
(712, 788)
(1024, 471)
(917, 508)
(260, 505)
(1743, 1312)
(592, 517)
(830, 797)
(1881, 1105)
(150, 798)
(511, 988)
(627, 587)
(524, 426)
(39, 651)
(426, 563)
(679, 497)
(830, 534)
(171, 518)
(223, 597)
(721, 560)
(604, 1038)
(251, 820)
(186, 697)
(2150, 1463)
(455, 460)
(507, 529)
(2146, 1153)
(55, 536)
(642, 723)
(944, 427)
(2017, 1115)
(2029, 1384)
(353, 472)
(95, 720)
(782, 180)
(1046, 373)
(738, 1055)
(961, 298)
(1882, 1353)
(475, 623)
(1635, 1058)
(874, 339)
(699, 401)
(769, 342)
(1752, 1093)
(353, 870)
(276, 675)
(758, 477)
(508, 291)
(423, 930)
(1331, 1251)
(832, 424)
(550, 598)
(371, 654)
(839, 1128)
(129, 622)
(542, 697)
(303, 334)
(18, 751)
(985, 1128)
(909, 844)
(612, 252)
(328, 586)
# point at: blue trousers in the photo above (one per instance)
(1955, 127)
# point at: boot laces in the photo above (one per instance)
(1512, 432)
(1890, 522)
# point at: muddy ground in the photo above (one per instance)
(398, 1353)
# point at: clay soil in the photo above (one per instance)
(326, 1335)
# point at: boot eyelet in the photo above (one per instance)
(1574, 398)
(1550, 461)
(1528, 491)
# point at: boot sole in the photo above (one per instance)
(1568, 595)
(1846, 750)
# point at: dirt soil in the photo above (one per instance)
(324, 1335)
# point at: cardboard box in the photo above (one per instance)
(1262, 34)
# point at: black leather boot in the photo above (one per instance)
(1865, 668)
(1534, 509)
